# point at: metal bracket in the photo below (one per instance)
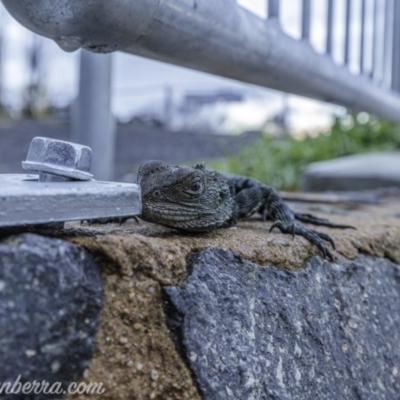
(25, 200)
(54, 196)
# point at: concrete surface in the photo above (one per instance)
(358, 172)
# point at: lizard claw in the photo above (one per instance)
(313, 237)
(326, 237)
(274, 225)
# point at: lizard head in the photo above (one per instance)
(188, 198)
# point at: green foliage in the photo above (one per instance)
(279, 162)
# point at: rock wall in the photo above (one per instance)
(232, 314)
(330, 331)
(50, 302)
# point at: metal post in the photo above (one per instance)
(305, 20)
(2, 23)
(362, 38)
(347, 33)
(92, 122)
(388, 40)
(396, 48)
(329, 32)
(273, 8)
(1, 71)
(375, 42)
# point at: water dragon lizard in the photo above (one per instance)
(197, 199)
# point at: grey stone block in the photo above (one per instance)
(50, 301)
(330, 331)
(358, 172)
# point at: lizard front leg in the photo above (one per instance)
(261, 197)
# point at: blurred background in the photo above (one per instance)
(183, 116)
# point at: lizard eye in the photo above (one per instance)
(195, 186)
(157, 193)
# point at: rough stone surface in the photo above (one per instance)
(330, 331)
(50, 302)
(134, 354)
(356, 172)
(135, 357)
(377, 234)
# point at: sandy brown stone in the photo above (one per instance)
(135, 357)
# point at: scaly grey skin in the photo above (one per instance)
(196, 199)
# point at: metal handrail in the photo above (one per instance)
(221, 38)
(224, 39)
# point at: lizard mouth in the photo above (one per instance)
(172, 214)
(191, 220)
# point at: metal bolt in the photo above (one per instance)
(56, 160)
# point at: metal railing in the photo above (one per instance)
(224, 39)
(383, 21)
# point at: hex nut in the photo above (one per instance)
(60, 158)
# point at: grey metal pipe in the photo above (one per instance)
(347, 33)
(305, 20)
(388, 41)
(1, 67)
(273, 8)
(362, 38)
(396, 48)
(329, 28)
(214, 37)
(92, 122)
(375, 41)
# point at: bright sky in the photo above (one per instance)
(138, 81)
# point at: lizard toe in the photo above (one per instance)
(314, 237)
(327, 238)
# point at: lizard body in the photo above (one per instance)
(197, 199)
